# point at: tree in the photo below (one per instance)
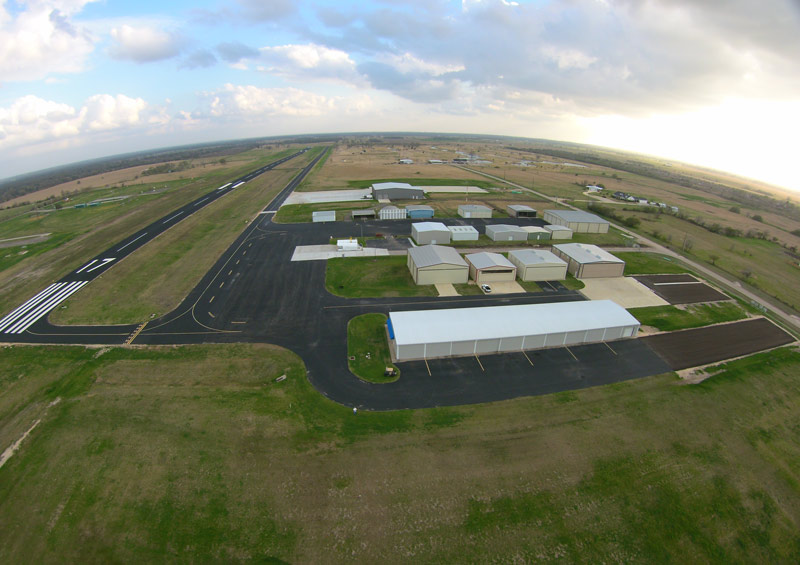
(758, 218)
(735, 209)
(713, 258)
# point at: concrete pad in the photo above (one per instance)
(446, 289)
(509, 287)
(325, 252)
(625, 291)
(455, 189)
(355, 195)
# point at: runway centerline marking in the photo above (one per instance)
(172, 217)
(201, 201)
(130, 242)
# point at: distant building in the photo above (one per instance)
(436, 162)
(537, 233)
(435, 264)
(559, 232)
(589, 261)
(577, 220)
(463, 233)
(430, 232)
(392, 213)
(506, 232)
(323, 216)
(397, 191)
(406, 161)
(474, 211)
(520, 211)
(419, 211)
(364, 214)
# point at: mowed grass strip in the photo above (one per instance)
(637, 263)
(670, 318)
(368, 349)
(198, 453)
(363, 277)
(155, 278)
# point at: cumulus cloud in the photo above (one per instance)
(308, 61)
(40, 39)
(234, 52)
(31, 119)
(199, 59)
(267, 11)
(143, 44)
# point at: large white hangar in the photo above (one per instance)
(577, 220)
(427, 334)
(538, 265)
(587, 261)
(435, 264)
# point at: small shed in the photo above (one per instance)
(486, 267)
(559, 232)
(577, 220)
(463, 233)
(435, 264)
(506, 232)
(537, 233)
(347, 245)
(520, 211)
(392, 213)
(425, 233)
(365, 214)
(323, 216)
(589, 261)
(419, 211)
(538, 265)
(474, 211)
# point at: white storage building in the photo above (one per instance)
(323, 216)
(577, 220)
(506, 232)
(427, 334)
(589, 261)
(392, 213)
(486, 267)
(559, 232)
(538, 265)
(430, 232)
(474, 211)
(434, 264)
(463, 233)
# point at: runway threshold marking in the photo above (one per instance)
(570, 352)
(528, 358)
(428, 367)
(612, 351)
(479, 363)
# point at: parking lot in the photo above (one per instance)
(681, 289)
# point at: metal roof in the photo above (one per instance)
(388, 185)
(529, 257)
(521, 208)
(585, 253)
(487, 260)
(503, 227)
(324, 214)
(535, 229)
(425, 207)
(557, 227)
(462, 229)
(474, 207)
(430, 226)
(577, 216)
(429, 255)
(488, 322)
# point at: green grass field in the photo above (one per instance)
(361, 277)
(637, 263)
(299, 213)
(669, 318)
(198, 454)
(367, 348)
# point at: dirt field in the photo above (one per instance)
(701, 346)
(681, 289)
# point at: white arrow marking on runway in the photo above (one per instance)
(93, 261)
(105, 262)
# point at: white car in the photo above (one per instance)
(486, 288)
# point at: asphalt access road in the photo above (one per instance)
(30, 317)
(255, 293)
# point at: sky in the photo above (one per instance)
(709, 82)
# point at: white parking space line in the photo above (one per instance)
(130, 242)
(32, 315)
(173, 217)
(20, 310)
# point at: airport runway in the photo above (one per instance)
(254, 293)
